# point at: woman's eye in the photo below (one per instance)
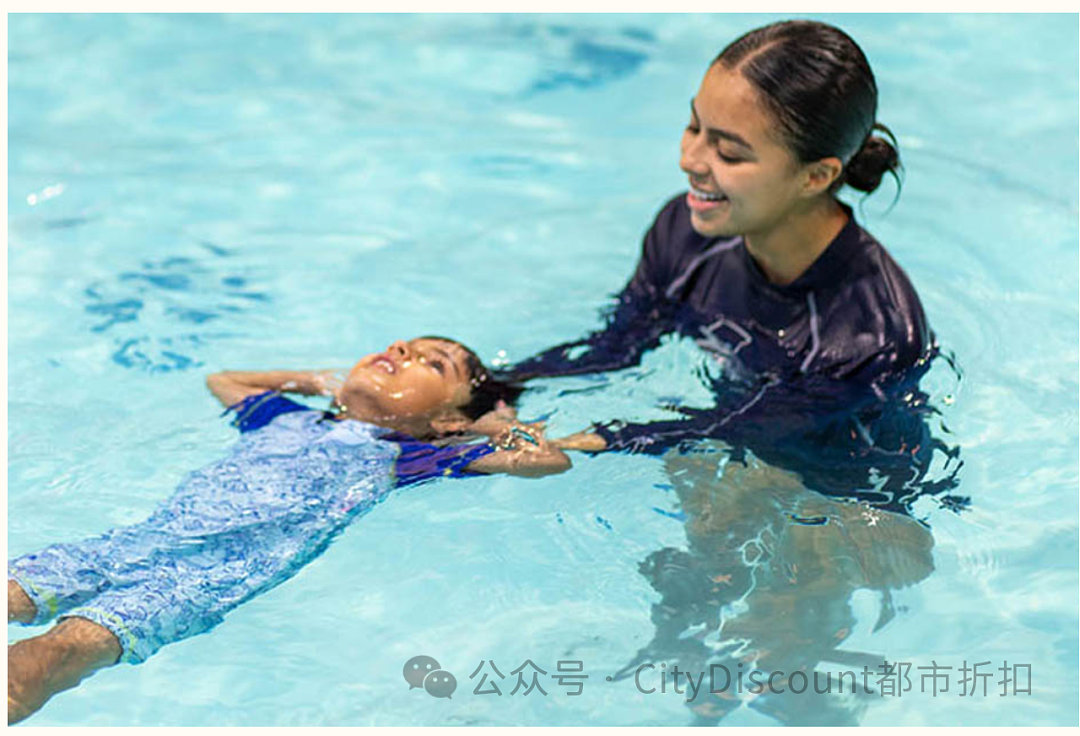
(728, 159)
(437, 365)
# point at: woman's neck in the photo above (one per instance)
(786, 251)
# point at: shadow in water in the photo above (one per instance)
(766, 584)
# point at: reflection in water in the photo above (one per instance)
(766, 583)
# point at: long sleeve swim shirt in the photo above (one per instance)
(234, 529)
(849, 328)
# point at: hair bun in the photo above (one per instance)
(868, 166)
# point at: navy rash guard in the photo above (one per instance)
(820, 355)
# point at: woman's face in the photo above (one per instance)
(416, 379)
(743, 178)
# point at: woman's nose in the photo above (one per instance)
(690, 159)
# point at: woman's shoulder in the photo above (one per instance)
(889, 300)
(887, 279)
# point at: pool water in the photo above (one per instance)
(194, 193)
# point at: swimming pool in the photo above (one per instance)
(193, 193)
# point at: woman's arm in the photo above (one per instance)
(583, 441)
(633, 326)
(232, 387)
(769, 413)
(642, 313)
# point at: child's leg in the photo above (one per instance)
(65, 575)
(58, 577)
(40, 667)
(20, 607)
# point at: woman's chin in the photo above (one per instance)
(710, 227)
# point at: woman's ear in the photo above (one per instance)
(820, 175)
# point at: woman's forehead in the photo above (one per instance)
(727, 100)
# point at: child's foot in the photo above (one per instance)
(20, 607)
(26, 679)
(59, 659)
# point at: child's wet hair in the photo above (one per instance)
(485, 390)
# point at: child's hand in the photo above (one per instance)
(522, 449)
(326, 383)
(520, 436)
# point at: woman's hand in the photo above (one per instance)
(583, 441)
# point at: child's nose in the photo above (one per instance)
(400, 348)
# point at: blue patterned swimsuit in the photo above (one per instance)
(294, 480)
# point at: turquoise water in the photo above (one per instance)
(193, 193)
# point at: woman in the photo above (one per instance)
(759, 261)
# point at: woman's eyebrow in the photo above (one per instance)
(719, 133)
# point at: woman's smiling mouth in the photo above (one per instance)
(706, 195)
(699, 199)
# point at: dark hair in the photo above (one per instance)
(816, 82)
(486, 390)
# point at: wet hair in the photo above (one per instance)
(817, 84)
(485, 390)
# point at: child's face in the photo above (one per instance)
(414, 380)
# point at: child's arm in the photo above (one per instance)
(524, 451)
(232, 387)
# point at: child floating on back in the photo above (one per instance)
(231, 531)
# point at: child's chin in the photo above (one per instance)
(370, 382)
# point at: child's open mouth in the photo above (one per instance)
(385, 363)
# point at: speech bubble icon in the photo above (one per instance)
(417, 668)
(440, 684)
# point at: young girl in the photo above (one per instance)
(241, 526)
